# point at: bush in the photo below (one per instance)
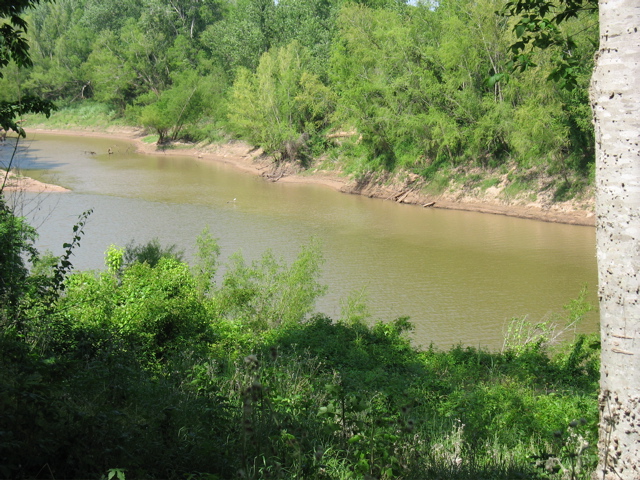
(135, 369)
(150, 253)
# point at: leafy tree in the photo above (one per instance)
(112, 79)
(14, 47)
(130, 62)
(558, 39)
(144, 46)
(150, 253)
(369, 64)
(540, 26)
(418, 102)
(188, 100)
(61, 45)
(309, 22)
(282, 106)
(242, 36)
(111, 16)
(192, 16)
(16, 247)
(413, 86)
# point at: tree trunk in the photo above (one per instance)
(615, 97)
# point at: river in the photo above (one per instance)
(460, 276)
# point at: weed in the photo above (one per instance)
(438, 183)
(569, 189)
(522, 334)
(516, 187)
(116, 474)
(489, 182)
(572, 455)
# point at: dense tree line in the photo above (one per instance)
(377, 84)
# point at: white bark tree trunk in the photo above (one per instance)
(615, 97)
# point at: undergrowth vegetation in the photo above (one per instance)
(150, 369)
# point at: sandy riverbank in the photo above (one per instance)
(13, 182)
(243, 157)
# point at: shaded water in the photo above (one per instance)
(459, 275)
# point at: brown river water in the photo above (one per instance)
(460, 276)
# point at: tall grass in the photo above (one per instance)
(83, 115)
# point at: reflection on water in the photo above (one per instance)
(460, 276)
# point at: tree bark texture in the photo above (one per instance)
(615, 97)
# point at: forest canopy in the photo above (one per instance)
(380, 85)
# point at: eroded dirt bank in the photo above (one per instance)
(408, 190)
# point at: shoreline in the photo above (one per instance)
(243, 157)
(16, 182)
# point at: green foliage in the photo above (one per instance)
(135, 367)
(80, 115)
(267, 293)
(282, 107)
(539, 26)
(158, 306)
(99, 16)
(113, 80)
(522, 335)
(354, 308)
(242, 36)
(116, 473)
(150, 253)
(60, 44)
(14, 47)
(16, 246)
(382, 93)
(413, 84)
(64, 266)
(187, 101)
(311, 23)
(114, 257)
(206, 264)
(153, 370)
(9, 111)
(379, 85)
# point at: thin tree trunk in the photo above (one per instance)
(615, 97)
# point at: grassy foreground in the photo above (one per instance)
(150, 369)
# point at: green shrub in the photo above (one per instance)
(151, 253)
(134, 368)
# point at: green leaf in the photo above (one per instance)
(491, 81)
